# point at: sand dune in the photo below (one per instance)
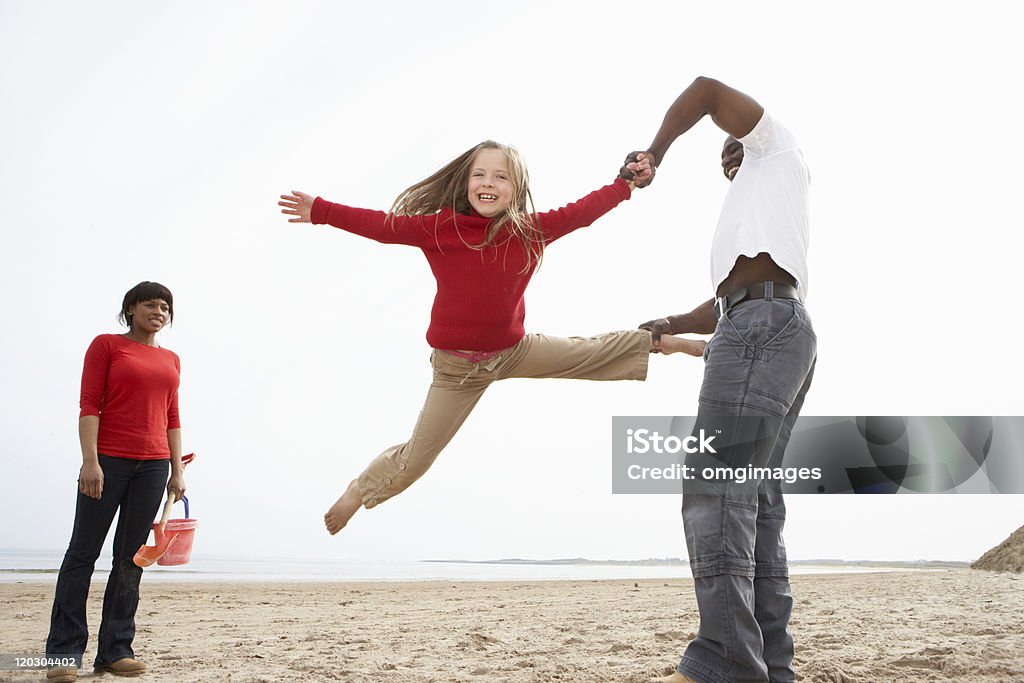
(1008, 556)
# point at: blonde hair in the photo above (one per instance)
(447, 188)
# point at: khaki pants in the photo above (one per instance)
(458, 385)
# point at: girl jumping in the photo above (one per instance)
(471, 221)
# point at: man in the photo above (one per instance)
(759, 365)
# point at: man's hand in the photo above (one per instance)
(297, 204)
(639, 168)
(657, 328)
(700, 320)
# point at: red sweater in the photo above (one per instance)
(479, 301)
(133, 388)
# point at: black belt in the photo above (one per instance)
(762, 290)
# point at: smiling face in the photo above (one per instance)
(490, 188)
(148, 317)
(732, 157)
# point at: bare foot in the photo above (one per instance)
(343, 509)
(672, 344)
(676, 677)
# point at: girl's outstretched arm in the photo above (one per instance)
(585, 211)
(376, 225)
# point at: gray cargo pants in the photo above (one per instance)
(759, 365)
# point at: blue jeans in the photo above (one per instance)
(759, 365)
(136, 487)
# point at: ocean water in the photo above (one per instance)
(41, 565)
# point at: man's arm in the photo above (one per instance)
(731, 110)
(700, 320)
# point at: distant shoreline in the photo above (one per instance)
(677, 562)
(581, 561)
(30, 566)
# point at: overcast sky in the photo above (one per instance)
(143, 141)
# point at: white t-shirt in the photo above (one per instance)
(766, 207)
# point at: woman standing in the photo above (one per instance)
(131, 437)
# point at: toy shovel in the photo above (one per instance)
(148, 554)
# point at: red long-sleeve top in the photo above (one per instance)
(133, 388)
(479, 303)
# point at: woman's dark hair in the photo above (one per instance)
(145, 291)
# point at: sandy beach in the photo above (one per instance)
(896, 626)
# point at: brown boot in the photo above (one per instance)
(122, 667)
(61, 674)
(676, 677)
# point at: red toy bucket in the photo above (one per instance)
(173, 537)
(179, 548)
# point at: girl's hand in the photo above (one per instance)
(639, 168)
(90, 480)
(297, 204)
(176, 486)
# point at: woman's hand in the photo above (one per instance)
(176, 486)
(90, 480)
(297, 204)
